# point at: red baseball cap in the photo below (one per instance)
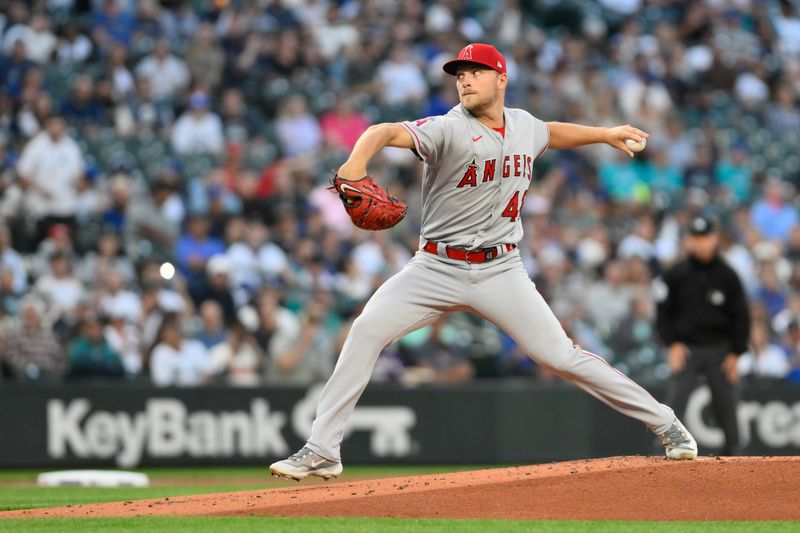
(58, 230)
(482, 54)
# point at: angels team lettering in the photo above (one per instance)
(513, 166)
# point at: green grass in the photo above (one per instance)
(390, 525)
(18, 490)
(11, 499)
(210, 472)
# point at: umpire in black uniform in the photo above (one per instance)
(704, 320)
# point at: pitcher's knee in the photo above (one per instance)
(562, 360)
(369, 330)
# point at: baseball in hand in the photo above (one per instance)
(635, 146)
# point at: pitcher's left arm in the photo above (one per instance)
(568, 135)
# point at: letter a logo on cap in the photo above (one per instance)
(480, 53)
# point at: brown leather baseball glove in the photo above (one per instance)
(369, 206)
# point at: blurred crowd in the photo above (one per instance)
(164, 212)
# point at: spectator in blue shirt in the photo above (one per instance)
(771, 292)
(113, 24)
(193, 251)
(771, 215)
(13, 69)
(791, 344)
(440, 102)
(82, 106)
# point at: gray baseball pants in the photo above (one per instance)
(498, 290)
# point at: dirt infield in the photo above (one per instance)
(619, 488)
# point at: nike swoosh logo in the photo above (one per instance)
(315, 464)
(346, 187)
(478, 138)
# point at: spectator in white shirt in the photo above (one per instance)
(272, 261)
(297, 128)
(177, 361)
(167, 73)
(244, 241)
(787, 26)
(60, 288)
(124, 337)
(49, 169)
(764, 359)
(254, 258)
(40, 43)
(238, 358)
(640, 243)
(32, 116)
(118, 299)
(73, 46)
(121, 77)
(108, 256)
(334, 35)
(751, 89)
(16, 26)
(401, 79)
(198, 130)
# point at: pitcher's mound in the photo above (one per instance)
(619, 488)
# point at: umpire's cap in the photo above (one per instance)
(702, 225)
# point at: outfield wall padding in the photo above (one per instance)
(488, 422)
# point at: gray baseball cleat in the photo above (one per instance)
(678, 442)
(306, 463)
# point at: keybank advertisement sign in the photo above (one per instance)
(765, 424)
(130, 425)
(168, 428)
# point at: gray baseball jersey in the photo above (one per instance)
(475, 178)
(473, 190)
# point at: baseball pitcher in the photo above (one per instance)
(478, 166)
